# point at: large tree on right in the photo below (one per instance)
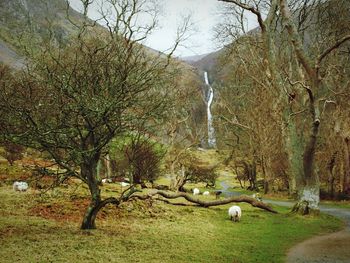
(297, 50)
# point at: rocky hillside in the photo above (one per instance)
(9, 56)
(21, 20)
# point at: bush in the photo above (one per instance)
(13, 152)
(204, 174)
(137, 158)
(195, 171)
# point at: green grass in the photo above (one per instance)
(142, 233)
(339, 204)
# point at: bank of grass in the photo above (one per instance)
(340, 204)
(143, 232)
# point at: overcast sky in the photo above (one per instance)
(204, 16)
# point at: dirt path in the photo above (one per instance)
(332, 248)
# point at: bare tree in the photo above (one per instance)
(71, 101)
(297, 83)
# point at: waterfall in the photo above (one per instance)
(209, 100)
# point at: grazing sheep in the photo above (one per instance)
(20, 186)
(235, 213)
(196, 191)
(206, 193)
(15, 186)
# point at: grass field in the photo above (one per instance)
(45, 228)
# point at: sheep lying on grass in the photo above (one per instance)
(196, 191)
(206, 193)
(20, 186)
(235, 213)
(123, 184)
(107, 181)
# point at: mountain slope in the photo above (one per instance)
(325, 13)
(9, 56)
(24, 20)
(36, 17)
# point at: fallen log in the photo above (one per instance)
(205, 203)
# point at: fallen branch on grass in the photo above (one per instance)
(205, 203)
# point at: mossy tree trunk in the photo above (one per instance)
(89, 173)
(303, 171)
(346, 179)
(331, 177)
(307, 180)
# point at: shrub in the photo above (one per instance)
(138, 158)
(13, 152)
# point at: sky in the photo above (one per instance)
(204, 16)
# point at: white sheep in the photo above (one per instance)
(196, 191)
(20, 186)
(123, 184)
(206, 193)
(107, 180)
(235, 213)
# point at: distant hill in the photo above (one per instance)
(36, 17)
(9, 56)
(24, 20)
(21, 20)
(192, 59)
(206, 62)
(209, 62)
(216, 64)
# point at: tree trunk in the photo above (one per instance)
(181, 180)
(294, 151)
(266, 187)
(107, 166)
(89, 173)
(309, 198)
(346, 178)
(93, 209)
(193, 199)
(90, 215)
(265, 175)
(331, 180)
(331, 177)
(308, 186)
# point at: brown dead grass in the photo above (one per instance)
(61, 211)
(67, 210)
(35, 162)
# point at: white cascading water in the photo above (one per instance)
(211, 131)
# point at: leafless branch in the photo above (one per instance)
(252, 9)
(330, 49)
